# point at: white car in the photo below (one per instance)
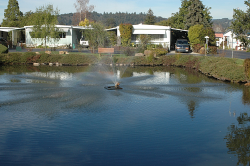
(84, 43)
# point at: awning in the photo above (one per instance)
(9, 29)
(150, 32)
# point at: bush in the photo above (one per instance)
(11, 58)
(159, 52)
(3, 49)
(128, 51)
(196, 48)
(212, 50)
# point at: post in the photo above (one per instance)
(206, 45)
(223, 42)
(232, 44)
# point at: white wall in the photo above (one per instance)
(163, 31)
(231, 43)
(33, 42)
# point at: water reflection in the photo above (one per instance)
(83, 86)
(238, 139)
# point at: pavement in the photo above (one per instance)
(221, 53)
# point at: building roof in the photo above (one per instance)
(219, 35)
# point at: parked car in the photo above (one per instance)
(84, 43)
(3, 42)
(182, 45)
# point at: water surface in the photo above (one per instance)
(162, 116)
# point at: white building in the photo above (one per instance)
(160, 34)
(232, 42)
(228, 40)
(69, 35)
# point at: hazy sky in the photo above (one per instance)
(163, 8)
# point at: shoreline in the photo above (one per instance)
(221, 68)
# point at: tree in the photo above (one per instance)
(82, 9)
(12, 15)
(27, 19)
(197, 13)
(144, 40)
(197, 35)
(84, 23)
(179, 17)
(112, 37)
(150, 18)
(191, 12)
(96, 35)
(45, 19)
(126, 33)
(240, 24)
(110, 22)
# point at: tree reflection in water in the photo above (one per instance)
(238, 139)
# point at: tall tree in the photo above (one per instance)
(150, 18)
(12, 15)
(197, 14)
(45, 20)
(82, 9)
(96, 35)
(241, 24)
(179, 18)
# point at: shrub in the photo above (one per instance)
(3, 49)
(196, 48)
(247, 67)
(27, 57)
(159, 52)
(128, 51)
(212, 50)
(11, 58)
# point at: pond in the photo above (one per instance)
(162, 116)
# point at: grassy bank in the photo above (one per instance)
(226, 69)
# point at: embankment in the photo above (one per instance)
(226, 69)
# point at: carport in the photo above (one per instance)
(177, 34)
(18, 35)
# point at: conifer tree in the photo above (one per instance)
(150, 18)
(197, 13)
(12, 15)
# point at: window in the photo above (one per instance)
(157, 37)
(62, 34)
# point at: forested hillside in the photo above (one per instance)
(114, 19)
(221, 25)
(109, 19)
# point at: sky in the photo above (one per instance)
(164, 8)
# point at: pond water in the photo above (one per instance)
(162, 116)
